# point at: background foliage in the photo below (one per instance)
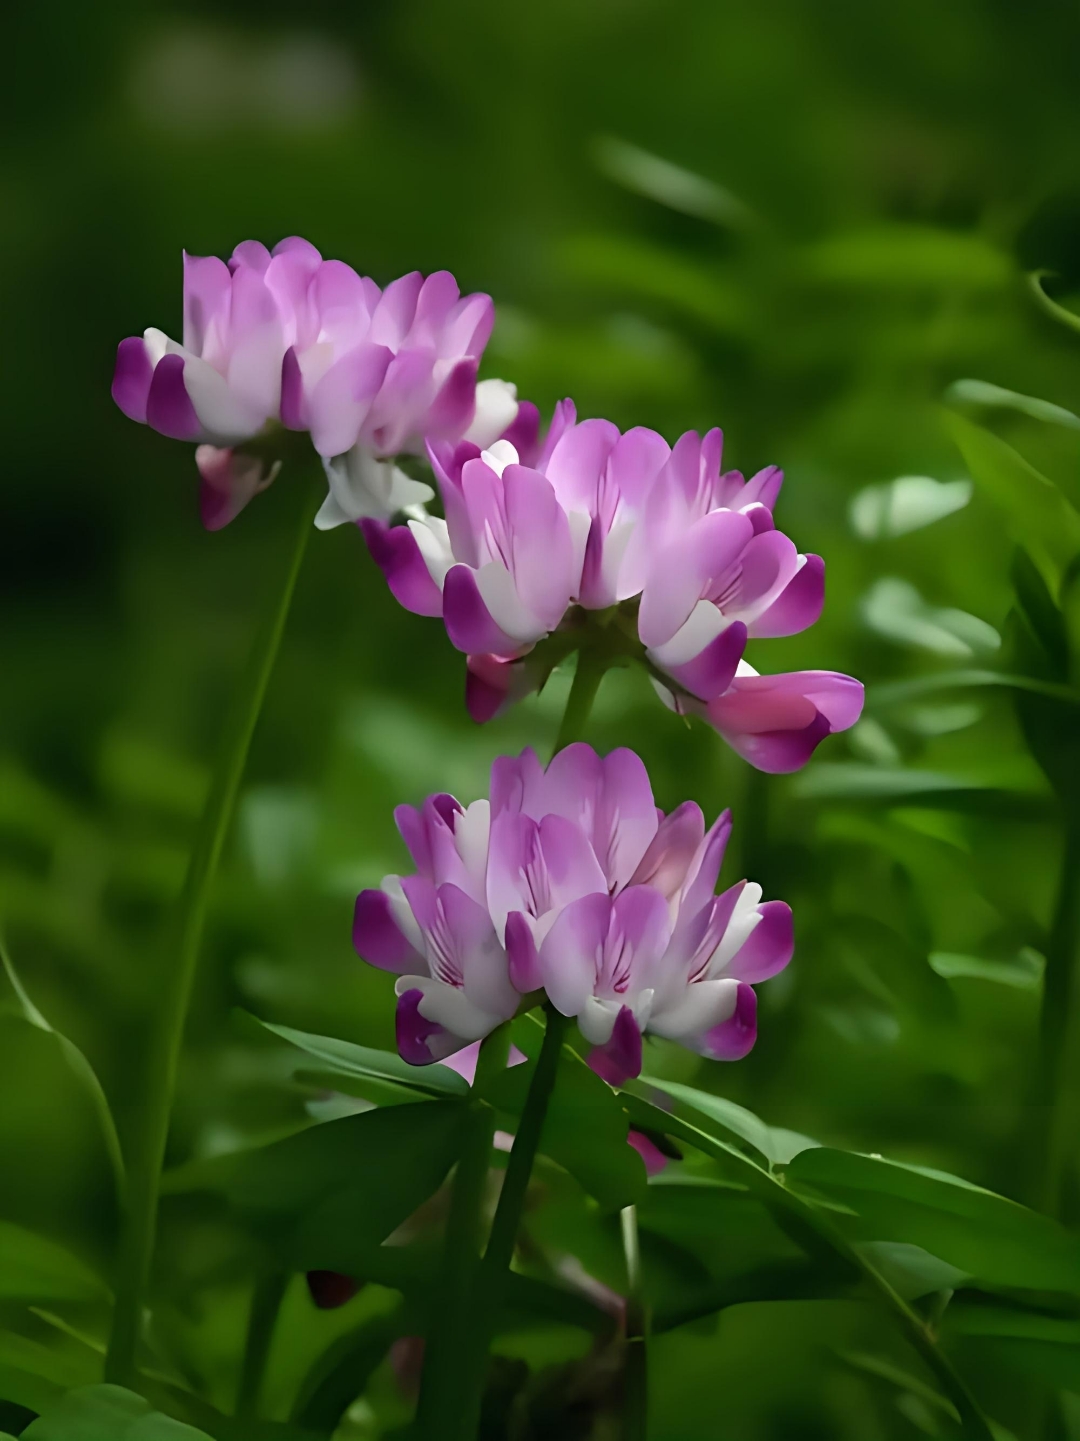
(805, 223)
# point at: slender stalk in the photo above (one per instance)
(266, 1298)
(636, 1375)
(1058, 1023)
(440, 1408)
(587, 678)
(500, 1247)
(148, 1149)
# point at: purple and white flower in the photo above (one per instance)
(286, 337)
(687, 555)
(571, 884)
(776, 722)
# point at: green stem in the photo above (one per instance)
(587, 678)
(635, 1399)
(266, 1298)
(1057, 1023)
(148, 1150)
(500, 1247)
(443, 1402)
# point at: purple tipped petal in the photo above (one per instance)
(395, 551)
(798, 605)
(132, 377)
(376, 936)
(524, 433)
(168, 406)
(469, 623)
(493, 684)
(293, 410)
(770, 947)
(620, 1059)
(521, 953)
(776, 722)
(682, 573)
(453, 407)
(414, 1031)
(710, 673)
(568, 955)
(230, 480)
(665, 864)
(734, 1038)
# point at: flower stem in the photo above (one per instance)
(443, 1402)
(266, 1298)
(587, 677)
(635, 1376)
(500, 1247)
(152, 1125)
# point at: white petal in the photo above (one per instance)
(498, 456)
(703, 1004)
(700, 628)
(499, 593)
(433, 540)
(471, 831)
(743, 920)
(496, 411)
(596, 1019)
(447, 1006)
(402, 913)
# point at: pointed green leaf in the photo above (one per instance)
(1039, 515)
(76, 1062)
(981, 392)
(988, 1236)
(107, 1413)
(365, 1062)
(33, 1268)
(775, 1144)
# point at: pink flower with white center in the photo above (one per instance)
(286, 337)
(776, 722)
(687, 556)
(573, 884)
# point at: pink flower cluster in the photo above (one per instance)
(569, 883)
(286, 337)
(688, 556)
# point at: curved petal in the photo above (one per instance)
(377, 938)
(395, 551)
(131, 378)
(420, 1041)
(770, 947)
(619, 1060)
(230, 480)
(709, 673)
(700, 1007)
(665, 864)
(798, 605)
(469, 623)
(521, 954)
(568, 954)
(734, 1038)
(682, 573)
(168, 406)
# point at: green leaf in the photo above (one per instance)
(985, 1235)
(584, 1131)
(899, 692)
(107, 1413)
(776, 1145)
(1044, 1346)
(658, 179)
(1016, 790)
(37, 1376)
(1052, 308)
(880, 512)
(77, 1063)
(1024, 972)
(909, 257)
(894, 609)
(362, 1062)
(911, 1271)
(659, 274)
(344, 1183)
(1039, 515)
(35, 1269)
(981, 392)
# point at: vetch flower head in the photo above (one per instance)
(570, 883)
(612, 541)
(285, 338)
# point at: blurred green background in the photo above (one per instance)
(800, 222)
